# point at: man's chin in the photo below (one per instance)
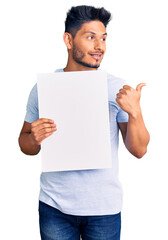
(95, 66)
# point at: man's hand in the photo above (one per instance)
(41, 129)
(128, 99)
(135, 134)
(32, 134)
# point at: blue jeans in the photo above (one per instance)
(55, 225)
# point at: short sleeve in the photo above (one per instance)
(122, 116)
(32, 112)
(114, 85)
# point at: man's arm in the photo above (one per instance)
(32, 134)
(134, 133)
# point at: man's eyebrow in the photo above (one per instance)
(104, 34)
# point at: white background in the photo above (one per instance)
(137, 50)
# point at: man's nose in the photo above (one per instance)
(98, 45)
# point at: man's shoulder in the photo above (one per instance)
(59, 70)
(34, 90)
(116, 81)
(33, 96)
(114, 84)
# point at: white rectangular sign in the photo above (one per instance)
(78, 104)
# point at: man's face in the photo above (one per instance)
(89, 44)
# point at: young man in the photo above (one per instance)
(86, 202)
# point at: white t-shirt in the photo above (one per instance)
(85, 192)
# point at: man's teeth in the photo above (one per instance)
(95, 55)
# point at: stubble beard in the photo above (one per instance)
(78, 55)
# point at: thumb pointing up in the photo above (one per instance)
(139, 87)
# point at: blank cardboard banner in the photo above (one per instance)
(78, 104)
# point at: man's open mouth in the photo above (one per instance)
(96, 55)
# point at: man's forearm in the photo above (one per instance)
(137, 136)
(27, 145)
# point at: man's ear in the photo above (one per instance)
(68, 40)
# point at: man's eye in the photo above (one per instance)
(103, 39)
(90, 37)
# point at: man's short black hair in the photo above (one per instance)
(79, 15)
